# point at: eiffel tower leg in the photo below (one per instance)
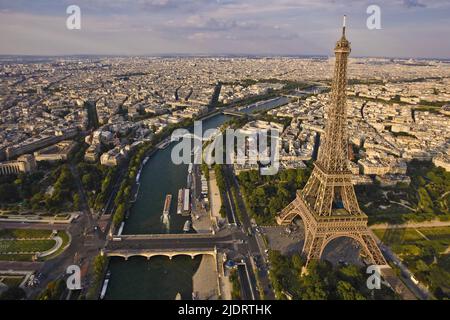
(307, 243)
(312, 248)
(287, 214)
(305, 251)
(370, 247)
(311, 186)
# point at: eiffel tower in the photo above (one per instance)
(327, 204)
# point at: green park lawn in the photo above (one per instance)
(20, 240)
(16, 257)
(11, 280)
(426, 253)
(25, 245)
(438, 237)
(24, 234)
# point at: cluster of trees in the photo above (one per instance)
(431, 268)
(96, 180)
(122, 199)
(221, 184)
(373, 199)
(236, 285)
(61, 195)
(77, 154)
(323, 281)
(53, 291)
(205, 170)
(433, 189)
(13, 293)
(9, 192)
(220, 177)
(428, 196)
(99, 265)
(19, 187)
(266, 196)
(31, 190)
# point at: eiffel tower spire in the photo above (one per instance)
(328, 205)
(344, 25)
(333, 152)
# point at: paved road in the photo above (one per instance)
(230, 206)
(246, 287)
(255, 247)
(419, 291)
(110, 205)
(34, 226)
(425, 224)
(223, 240)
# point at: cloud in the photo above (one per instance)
(204, 23)
(254, 26)
(413, 4)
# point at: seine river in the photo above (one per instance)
(159, 277)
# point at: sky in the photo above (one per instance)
(409, 28)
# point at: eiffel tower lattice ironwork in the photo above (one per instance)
(328, 205)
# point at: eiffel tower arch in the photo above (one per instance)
(327, 204)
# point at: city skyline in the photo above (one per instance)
(230, 27)
(130, 175)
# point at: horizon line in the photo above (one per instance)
(212, 55)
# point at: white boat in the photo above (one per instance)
(165, 144)
(187, 226)
(167, 203)
(105, 285)
(190, 168)
(165, 218)
(122, 225)
(180, 201)
(186, 202)
(138, 177)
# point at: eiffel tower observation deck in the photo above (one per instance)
(328, 205)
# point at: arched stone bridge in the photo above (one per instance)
(169, 245)
(126, 254)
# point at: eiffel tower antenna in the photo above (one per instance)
(344, 25)
(328, 205)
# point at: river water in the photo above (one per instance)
(265, 105)
(159, 277)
